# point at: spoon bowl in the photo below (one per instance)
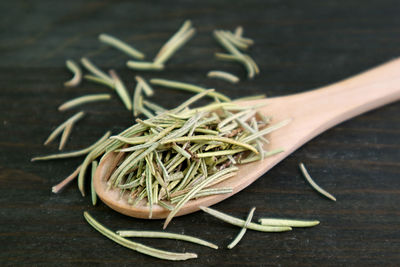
(311, 113)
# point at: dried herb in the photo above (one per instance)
(313, 184)
(182, 36)
(122, 46)
(287, 222)
(76, 70)
(152, 234)
(223, 75)
(243, 231)
(82, 100)
(65, 126)
(241, 223)
(157, 253)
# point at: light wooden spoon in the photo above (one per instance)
(311, 112)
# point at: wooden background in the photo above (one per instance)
(300, 45)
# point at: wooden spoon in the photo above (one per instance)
(311, 112)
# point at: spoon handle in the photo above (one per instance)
(323, 108)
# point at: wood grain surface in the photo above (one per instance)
(299, 45)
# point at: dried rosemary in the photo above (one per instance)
(96, 71)
(76, 70)
(232, 42)
(74, 153)
(140, 65)
(157, 253)
(241, 223)
(94, 196)
(121, 89)
(223, 75)
(243, 231)
(60, 186)
(182, 36)
(82, 100)
(151, 234)
(122, 46)
(67, 124)
(287, 222)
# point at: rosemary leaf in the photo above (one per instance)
(313, 184)
(140, 65)
(223, 75)
(82, 100)
(121, 90)
(62, 126)
(122, 46)
(100, 80)
(60, 186)
(76, 70)
(94, 195)
(151, 234)
(238, 222)
(243, 231)
(287, 222)
(74, 153)
(157, 253)
(96, 71)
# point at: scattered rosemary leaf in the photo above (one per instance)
(76, 70)
(74, 153)
(243, 230)
(140, 65)
(146, 87)
(313, 184)
(235, 52)
(151, 234)
(238, 222)
(175, 46)
(121, 90)
(96, 71)
(82, 100)
(238, 31)
(287, 222)
(96, 79)
(136, 99)
(66, 133)
(60, 186)
(235, 41)
(124, 47)
(228, 57)
(94, 195)
(223, 75)
(62, 126)
(157, 253)
(172, 42)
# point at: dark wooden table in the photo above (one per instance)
(300, 45)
